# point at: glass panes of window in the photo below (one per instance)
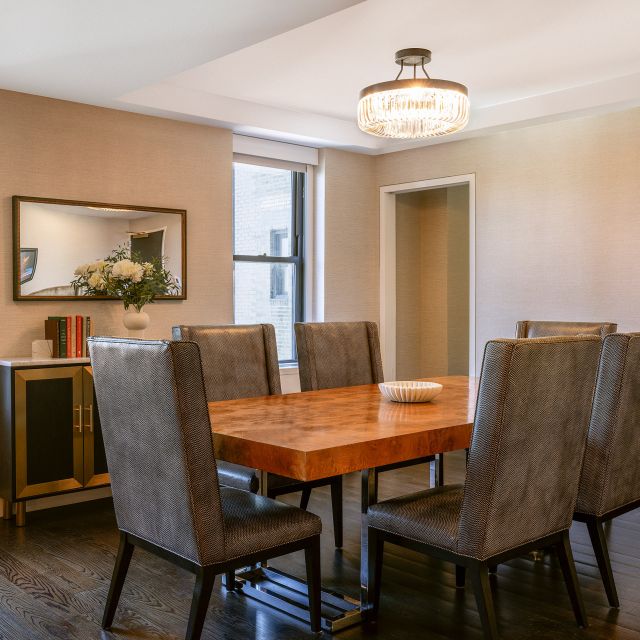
(267, 215)
(255, 300)
(262, 205)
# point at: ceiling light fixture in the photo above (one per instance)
(414, 107)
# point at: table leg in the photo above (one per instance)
(263, 490)
(289, 594)
(369, 496)
(436, 471)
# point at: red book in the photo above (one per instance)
(69, 337)
(79, 339)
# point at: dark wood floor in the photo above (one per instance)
(54, 576)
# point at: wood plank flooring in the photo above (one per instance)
(54, 576)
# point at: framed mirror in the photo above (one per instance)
(55, 239)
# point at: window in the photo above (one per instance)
(268, 207)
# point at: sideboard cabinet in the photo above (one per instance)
(51, 440)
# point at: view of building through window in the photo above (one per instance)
(267, 237)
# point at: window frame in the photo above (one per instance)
(298, 197)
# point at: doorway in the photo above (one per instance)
(427, 265)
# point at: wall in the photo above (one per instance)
(432, 283)
(58, 149)
(351, 236)
(458, 280)
(557, 219)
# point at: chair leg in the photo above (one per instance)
(484, 600)
(312, 560)
(304, 499)
(565, 556)
(125, 551)
(336, 507)
(461, 573)
(375, 551)
(230, 580)
(200, 602)
(599, 542)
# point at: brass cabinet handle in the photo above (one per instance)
(88, 417)
(77, 425)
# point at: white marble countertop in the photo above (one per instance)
(40, 362)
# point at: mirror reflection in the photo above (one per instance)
(57, 239)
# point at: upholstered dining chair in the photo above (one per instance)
(241, 361)
(610, 482)
(547, 328)
(344, 354)
(167, 498)
(534, 402)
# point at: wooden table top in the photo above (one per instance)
(318, 434)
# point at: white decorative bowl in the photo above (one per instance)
(410, 390)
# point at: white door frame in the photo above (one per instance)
(388, 195)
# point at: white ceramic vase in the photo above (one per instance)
(135, 321)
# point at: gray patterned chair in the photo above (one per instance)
(550, 328)
(241, 361)
(534, 403)
(166, 494)
(547, 328)
(344, 354)
(610, 482)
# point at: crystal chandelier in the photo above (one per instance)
(414, 107)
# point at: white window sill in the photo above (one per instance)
(288, 369)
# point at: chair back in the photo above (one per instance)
(239, 361)
(338, 354)
(611, 473)
(547, 328)
(529, 436)
(159, 446)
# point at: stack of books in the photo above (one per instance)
(68, 335)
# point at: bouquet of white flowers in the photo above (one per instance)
(124, 275)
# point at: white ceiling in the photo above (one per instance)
(292, 69)
(95, 50)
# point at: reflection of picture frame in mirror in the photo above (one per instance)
(28, 263)
(71, 233)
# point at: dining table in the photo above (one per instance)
(320, 434)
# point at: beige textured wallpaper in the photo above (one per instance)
(557, 213)
(351, 258)
(58, 149)
(557, 219)
(458, 280)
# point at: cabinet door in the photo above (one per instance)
(95, 460)
(48, 430)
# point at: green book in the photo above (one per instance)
(62, 335)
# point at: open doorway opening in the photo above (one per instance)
(427, 278)
(432, 282)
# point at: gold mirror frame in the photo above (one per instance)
(17, 200)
